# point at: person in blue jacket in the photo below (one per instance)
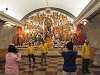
(70, 55)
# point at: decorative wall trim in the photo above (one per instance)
(8, 18)
(90, 9)
(52, 8)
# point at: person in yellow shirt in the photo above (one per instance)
(30, 52)
(44, 50)
(85, 57)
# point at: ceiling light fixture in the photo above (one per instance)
(84, 21)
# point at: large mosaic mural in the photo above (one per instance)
(50, 26)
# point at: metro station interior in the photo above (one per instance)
(55, 22)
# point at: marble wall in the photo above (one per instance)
(6, 35)
(92, 30)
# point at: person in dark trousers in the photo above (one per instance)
(44, 50)
(85, 57)
(69, 66)
(30, 52)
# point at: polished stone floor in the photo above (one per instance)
(52, 67)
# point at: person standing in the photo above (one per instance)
(30, 52)
(12, 61)
(85, 57)
(69, 66)
(44, 50)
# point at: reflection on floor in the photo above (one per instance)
(52, 67)
(50, 53)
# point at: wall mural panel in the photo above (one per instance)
(53, 27)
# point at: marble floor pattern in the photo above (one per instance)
(52, 67)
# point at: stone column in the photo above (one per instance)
(97, 58)
(6, 35)
(92, 30)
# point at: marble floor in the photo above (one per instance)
(52, 67)
(51, 53)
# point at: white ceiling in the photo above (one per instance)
(19, 8)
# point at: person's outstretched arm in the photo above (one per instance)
(18, 58)
(63, 47)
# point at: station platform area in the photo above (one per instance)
(50, 53)
(53, 65)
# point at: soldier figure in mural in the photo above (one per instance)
(48, 32)
(52, 24)
(48, 23)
